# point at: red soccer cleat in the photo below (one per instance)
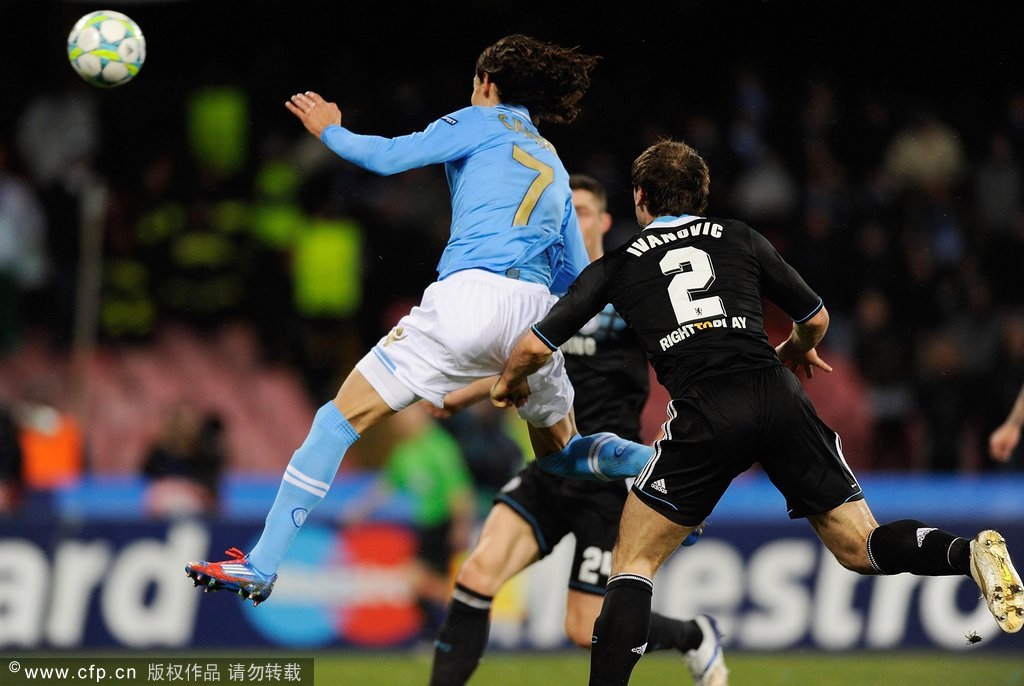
(235, 575)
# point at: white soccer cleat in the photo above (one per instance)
(706, 662)
(999, 582)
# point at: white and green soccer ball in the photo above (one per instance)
(106, 48)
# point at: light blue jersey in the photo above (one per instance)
(511, 201)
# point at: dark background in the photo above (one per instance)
(393, 68)
(823, 89)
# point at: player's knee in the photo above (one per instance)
(479, 574)
(636, 561)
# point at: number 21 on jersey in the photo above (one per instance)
(694, 273)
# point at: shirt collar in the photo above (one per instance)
(668, 222)
(518, 109)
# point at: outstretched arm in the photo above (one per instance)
(449, 138)
(1005, 438)
(798, 351)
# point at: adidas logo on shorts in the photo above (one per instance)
(659, 486)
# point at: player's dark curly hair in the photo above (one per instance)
(547, 79)
(675, 179)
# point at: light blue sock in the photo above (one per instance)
(305, 482)
(598, 457)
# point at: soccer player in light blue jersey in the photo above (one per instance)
(515, 241)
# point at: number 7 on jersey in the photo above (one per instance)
(545, 175)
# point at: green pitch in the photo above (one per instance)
(975, 668)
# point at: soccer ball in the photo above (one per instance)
(106, 48)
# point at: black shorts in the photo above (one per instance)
(554, 506)
(434, 546)
(723, 425)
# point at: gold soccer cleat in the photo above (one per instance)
(999, 582)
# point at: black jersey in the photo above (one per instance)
(691, 288)
(608, 370)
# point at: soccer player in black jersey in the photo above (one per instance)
(535, 510)
(690, 286)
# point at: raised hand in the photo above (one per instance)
(315, 113)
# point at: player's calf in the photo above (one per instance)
(908, 545)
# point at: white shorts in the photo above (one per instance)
(463, 330)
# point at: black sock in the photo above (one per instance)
(463, 637)
(620, 632)
(666, 633)
(911, 546)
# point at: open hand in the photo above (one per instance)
(315, 113)
(797, 359)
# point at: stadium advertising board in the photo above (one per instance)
(773, 587)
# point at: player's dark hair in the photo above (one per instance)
(582, 182)
(675, 179)
(547, 79)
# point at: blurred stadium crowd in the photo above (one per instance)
(245, 270)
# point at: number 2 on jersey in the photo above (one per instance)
(693, 273)
(545, 175)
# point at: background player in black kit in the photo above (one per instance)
(535, 510)
(691, 288)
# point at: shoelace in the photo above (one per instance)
(235, 553)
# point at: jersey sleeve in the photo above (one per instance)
(574, 258)
(782, 284)
(587, 296)
(449, 138)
